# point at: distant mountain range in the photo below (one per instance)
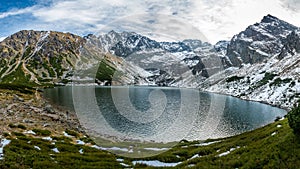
(260, 63)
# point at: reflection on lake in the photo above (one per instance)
(161, 114)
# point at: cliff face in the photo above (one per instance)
(276, 80)
(259, 41)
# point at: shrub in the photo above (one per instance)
(72, 133)
(21, 126)
(268, 76)
(12, 125)
(41, 132)
(279, 81)
(234, 78)
(294, 119)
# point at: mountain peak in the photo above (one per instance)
(112, 32)
(269, 18)
(259, 41)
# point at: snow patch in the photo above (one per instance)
(156, 163)
(80, 142)
(157, 149)
(55, 150)
(120, 159)
(37, 147)
(228, 152)
(125, 165)
(3, 143)
(30, 132)
(67, 135)
(111, 148)
(195, 156)
(206, 144)
(47, 138)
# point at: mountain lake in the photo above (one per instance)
(160, 114)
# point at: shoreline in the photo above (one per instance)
(287, 109)
(113, 139)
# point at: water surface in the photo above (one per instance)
(161, 114)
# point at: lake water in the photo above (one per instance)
(161, 114)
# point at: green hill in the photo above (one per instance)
(272, 146)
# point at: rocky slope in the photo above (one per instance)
(260, 63)
(28, 108)
(43, 58)
(184, 63)
(275, 81)
(259, 41)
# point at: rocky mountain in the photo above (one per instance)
(184, 63)
(260, 63)
(42, 57)
(48, 57)
(291, 45)
(259, 41)
(275, 81)
(37, 56)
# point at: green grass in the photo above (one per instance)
(21, 153)
(18, 77)
(20, 126)
(72, 133)
(105, 71)
(41, 132)
(258, 149)
(18, 87)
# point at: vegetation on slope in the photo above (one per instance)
(273, 146)
(294, 119)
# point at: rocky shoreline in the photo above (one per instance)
(33, 111)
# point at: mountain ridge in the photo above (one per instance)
(260, 59)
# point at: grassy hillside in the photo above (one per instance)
(273, 146)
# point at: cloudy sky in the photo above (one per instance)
(214, 19)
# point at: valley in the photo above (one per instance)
(258, 64)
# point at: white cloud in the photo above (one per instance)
(223, 19)
(16, 12)
(2, 38)
(216, 19)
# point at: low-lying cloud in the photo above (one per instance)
(217, 20)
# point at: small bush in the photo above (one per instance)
(87, 140)
(268, 77)
(234, 78)
(18, 134)
(41, 132)
(6, 134)
(21, 126)
(12, 125)
(72, 133)
(279, 81)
